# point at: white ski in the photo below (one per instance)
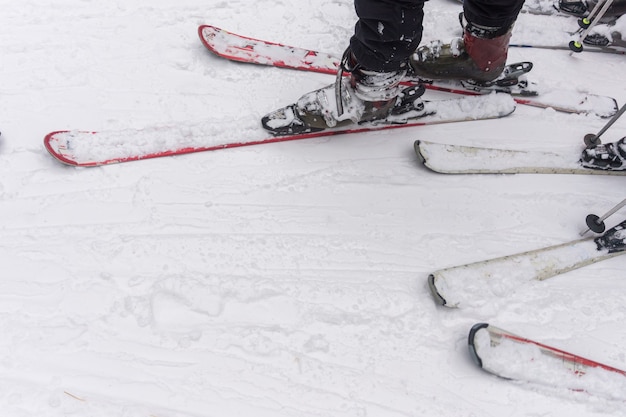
(459, 159)
(458, 286)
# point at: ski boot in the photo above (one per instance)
(601, 41)
(477, 61)
(608, 157)
(479, 56)
(596, 39)
(365, 96)
(613, 239)
(576, 8)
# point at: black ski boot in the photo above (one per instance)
(600, 40)
(608, 157)
(576, 8)
(613, 239)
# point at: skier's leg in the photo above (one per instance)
(481, 54)
(386, 34)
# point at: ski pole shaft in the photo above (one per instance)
(593, 140)
(595, 18)
(613, 210)
(596, 9)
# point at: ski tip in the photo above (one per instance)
(206, 34)
(470, 342)
(435, 292)
(54, 149)
(209, 28)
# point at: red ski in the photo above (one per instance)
(255, 51)
(517, 358)
(88, 149)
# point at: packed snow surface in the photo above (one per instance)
(285, 279)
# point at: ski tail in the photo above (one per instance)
(437, 296)
(470, 343)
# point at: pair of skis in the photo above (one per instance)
(84, 148)
(517, 358)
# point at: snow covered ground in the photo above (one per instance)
(278, 280)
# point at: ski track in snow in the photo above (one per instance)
(279, 280)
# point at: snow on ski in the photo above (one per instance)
(471, 284)
(255, 51)
(459, 159)
(517, 358)
(88, 149)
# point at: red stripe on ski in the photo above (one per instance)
(569, 357)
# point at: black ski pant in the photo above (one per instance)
(389, 31)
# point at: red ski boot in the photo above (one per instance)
(479, 56)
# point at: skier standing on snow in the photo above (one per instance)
(384, 49)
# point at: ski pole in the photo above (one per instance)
(577, 46)
(592, 140)
(586, 21)
(596, 223)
